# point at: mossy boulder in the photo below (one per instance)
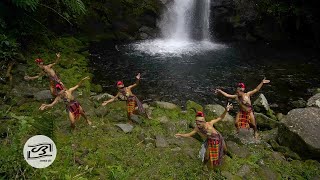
(314, 101)
(215, 110)
(191, 106)
(299, 131)
(264, 122)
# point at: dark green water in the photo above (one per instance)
(294, 73)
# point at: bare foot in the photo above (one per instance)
(256, 135)
(89, 122)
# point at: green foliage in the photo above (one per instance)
(75, 6)
(26, 4)
(8, 48)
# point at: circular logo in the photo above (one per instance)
(39, 151)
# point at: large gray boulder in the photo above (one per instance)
(43, 95)
(264, 122)
(314, 101)
(299, 131)
(215, 110)
(261, 104)
(165, 105)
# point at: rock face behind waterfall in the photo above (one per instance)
(299, 130)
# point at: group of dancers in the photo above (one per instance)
(212, 149)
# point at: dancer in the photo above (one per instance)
(212, 148)
(126, 94)
(245, 117)
(73, 107)
(47, 70)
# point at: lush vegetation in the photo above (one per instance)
(40, 28)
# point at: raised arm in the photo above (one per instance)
(225, 94)
(34, 77)
(229, 106)
(45, 106)
(264, 81)
(110, 100)
(137, 81)
(193, 132)
(79, 84)
(57, 60)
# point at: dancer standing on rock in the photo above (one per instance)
(245, 117)
(47, 70)
(126, 94)
(73, 107)
(212, 148)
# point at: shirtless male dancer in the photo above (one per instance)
(126, 94)
(47, 70)
(214, 145)
(245, 117)
(73, 107)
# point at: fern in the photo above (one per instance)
(75, 6)
(26, 4)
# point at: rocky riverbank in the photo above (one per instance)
(288, 147)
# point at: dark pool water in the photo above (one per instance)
(294, 73)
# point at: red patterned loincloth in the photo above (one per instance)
(244, 119)
(74, 108)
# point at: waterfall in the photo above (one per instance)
(184, 28)
(185, 20)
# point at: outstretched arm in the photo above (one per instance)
(45, 106)
(193, 132)
(137, 81)
(110, 100)
(264, 81)
(78, 85)
(34, 77)
(225, 94)
(56, 62)
(229, 106)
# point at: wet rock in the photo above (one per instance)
(135, 119)
(27, 91)
(261, 104)
(191, 152)
(144, 36)
(165, 105)
(299, 131)
(277, 156)
(125, 127)
(314, 101)
(161, 142)
(240, 151)
(164, 119)
(280, 116)
(170, 128)
(284, 150)
(264, 122)
(244, 170)
(101, 97)
(191, 106)
(227, 175)
(176, 149)
(101, 111)
(148, 140)
(268, 174)
(215, 110)
(298, 103)
(266, 136)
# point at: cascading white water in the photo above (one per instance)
(184, 29)
(175, 21)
